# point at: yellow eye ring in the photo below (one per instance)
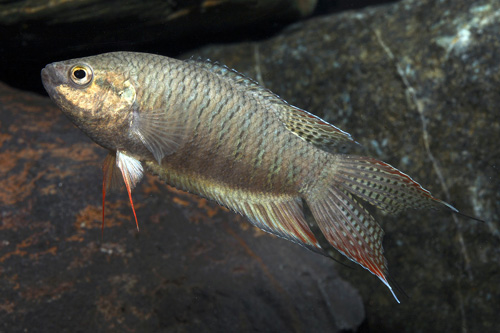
(81, 74)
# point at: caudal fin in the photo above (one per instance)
(382, 185)
(351, 229)
(346, 224)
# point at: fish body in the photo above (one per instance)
(209, 130)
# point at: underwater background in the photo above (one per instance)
(416, 83)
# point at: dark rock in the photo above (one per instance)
(417, 84)
(36, 32)
(194, 267)
(238, 12)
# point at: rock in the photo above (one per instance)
(36, 32)
(416, 83)
(155, 12)
(194, 267)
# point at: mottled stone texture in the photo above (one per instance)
(417, 84)
(193, 267)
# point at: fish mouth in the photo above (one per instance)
(53, 75)
(45, 74)
(48, 74)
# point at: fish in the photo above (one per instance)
(207, 129)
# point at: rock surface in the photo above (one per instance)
(416, 83)
(194, 267)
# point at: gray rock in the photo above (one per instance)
(417, 84)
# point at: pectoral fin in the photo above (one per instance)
(161, 135)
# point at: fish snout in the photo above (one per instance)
(45, 76)
(52, 76)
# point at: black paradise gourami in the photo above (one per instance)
(209, 130)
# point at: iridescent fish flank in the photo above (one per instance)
(209, 130)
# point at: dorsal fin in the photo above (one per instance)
(227, 72)
(305, 125)
(313, 129)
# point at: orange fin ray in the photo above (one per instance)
(132, 173)
(127, 185)
(130, 169)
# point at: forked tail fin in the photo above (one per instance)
(346, 224)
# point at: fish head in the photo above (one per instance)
(96, 94)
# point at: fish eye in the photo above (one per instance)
(81, 74)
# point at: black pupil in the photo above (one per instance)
(80, 74)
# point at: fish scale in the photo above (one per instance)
(208, 129)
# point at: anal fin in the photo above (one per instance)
(282, 217)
